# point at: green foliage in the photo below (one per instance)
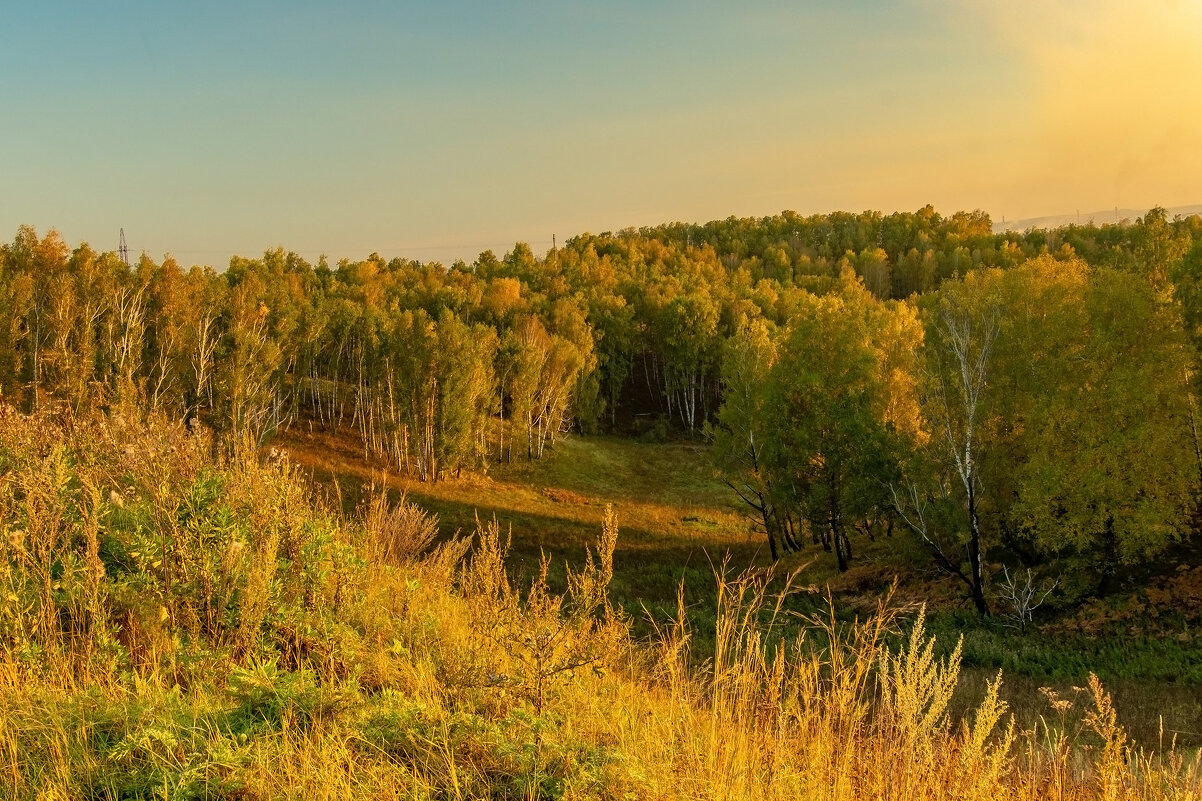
(814, 426)
(375, 666)
(1059, 418)
(180, 565)
(440, 371)
(1107, 470)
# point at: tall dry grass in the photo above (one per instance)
(171, 627)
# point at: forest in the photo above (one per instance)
(1018, 408)
(1030, 396)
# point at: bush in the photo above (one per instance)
(175, 627)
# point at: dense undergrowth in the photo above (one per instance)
(171, 627)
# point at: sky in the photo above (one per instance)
(437, 130)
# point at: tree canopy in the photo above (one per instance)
(1008, 396)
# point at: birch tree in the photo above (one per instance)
(962, 327)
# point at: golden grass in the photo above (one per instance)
(666, 494)
(355, 659)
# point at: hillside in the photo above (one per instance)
(740, 509)
(177, 628)
(678, 520)
(680, 525)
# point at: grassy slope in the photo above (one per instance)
(171, 628)
(679, 523)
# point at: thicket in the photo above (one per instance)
(1016, 402)
(174, 626)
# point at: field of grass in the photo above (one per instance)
(679, 524)
(173, 628)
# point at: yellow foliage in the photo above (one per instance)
(433, 674)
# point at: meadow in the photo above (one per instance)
(174, 627)
(682, 527)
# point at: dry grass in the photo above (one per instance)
(331, 656)
(678, 521)
(666, 494)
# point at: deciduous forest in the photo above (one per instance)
(1009, 419)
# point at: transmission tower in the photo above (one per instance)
(123, 249)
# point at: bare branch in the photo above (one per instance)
(917, 522)
(1023, 596)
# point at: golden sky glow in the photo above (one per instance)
(438, 130)
(1116, 101)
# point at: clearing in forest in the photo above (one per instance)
(678, 522)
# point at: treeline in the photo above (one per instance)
(1034, 425)
(436, 369)
(1024, 394)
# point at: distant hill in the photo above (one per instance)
(1097, 217)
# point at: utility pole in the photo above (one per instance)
(123, 249)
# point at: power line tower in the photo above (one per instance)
(123, 249)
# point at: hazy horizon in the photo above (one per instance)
(438, 132)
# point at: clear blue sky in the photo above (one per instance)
(435, 130)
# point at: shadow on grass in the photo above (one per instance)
(1155, 714)
(680, 537)
(650, 564)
